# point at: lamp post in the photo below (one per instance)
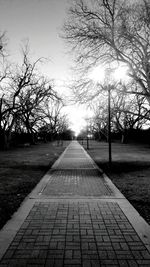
(108, 77)
(87, 138)
(109, 125)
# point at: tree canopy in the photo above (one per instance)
(112, 30)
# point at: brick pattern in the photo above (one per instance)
(75, 158)
(77, 183)
(76, 233)
(69, 155)
(75, 163)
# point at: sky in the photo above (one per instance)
(40, 22)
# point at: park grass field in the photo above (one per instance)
(130, 171)
(20, 170)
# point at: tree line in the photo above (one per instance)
(30, 107)
(111, 33)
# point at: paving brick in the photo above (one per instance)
(58, 263)
(72, 261)
(49, 262)
(87, 184)
(9, 254)
(77, 254)
(123, 263)
(87, 263)
(68, 254)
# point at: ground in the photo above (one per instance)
(130, 171)
(20, 170)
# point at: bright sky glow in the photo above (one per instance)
(119, 73)
(77, 125)
(97, 74)
(77, 116)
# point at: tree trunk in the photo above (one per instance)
(4, 141)
(99, 136)
(124, 137)
(32, 138)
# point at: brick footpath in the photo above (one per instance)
(76, 221)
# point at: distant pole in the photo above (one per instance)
(87, 139)
(109, 125)
(87, 142)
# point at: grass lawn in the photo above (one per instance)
(20, 170)
(130, 171)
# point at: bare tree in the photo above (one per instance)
(5, 72)
(100, 118)
(128, 112)
(52, 117)
(19, 81)
(3, 45)
(33, 104)
(112, 30)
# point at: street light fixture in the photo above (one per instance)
(117, 72)
(112, 75)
